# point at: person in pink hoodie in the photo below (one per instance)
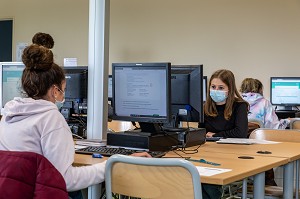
(261, 109)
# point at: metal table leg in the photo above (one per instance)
(259, 185)
(288, 181)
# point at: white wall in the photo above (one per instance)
(253, 38)
(65, 20)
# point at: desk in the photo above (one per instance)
(283, 149)
(241, 168)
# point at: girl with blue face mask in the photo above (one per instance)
(225, 111)
(225, 115)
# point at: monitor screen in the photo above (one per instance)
(187, 93)
(285, 91)
(141, 92)
(11, 74)
(110, 87)
(76, 91)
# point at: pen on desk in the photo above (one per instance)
(97, 155)
(204, 161)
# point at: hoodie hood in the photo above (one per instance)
(252, 98)
(22, 108)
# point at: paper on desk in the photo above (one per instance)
(91, 142)
(264, 142)
(79, 147)
(210, 171)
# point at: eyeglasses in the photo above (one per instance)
(60, 90)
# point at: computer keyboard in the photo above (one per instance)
(213, 139)
(109, 151)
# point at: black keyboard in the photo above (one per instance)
(213, 139)
(109, 151)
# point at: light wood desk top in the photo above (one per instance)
(83, 160)
(241, 168)
(283, 149)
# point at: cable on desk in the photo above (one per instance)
(193, 151)
(174, 150)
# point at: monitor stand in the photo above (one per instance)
(288, 108)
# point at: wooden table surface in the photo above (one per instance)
(284, 149)
(241, 168)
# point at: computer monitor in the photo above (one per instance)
(187, 94)
(11, 74)
(76, 91)
(142, 93)
(285, 91)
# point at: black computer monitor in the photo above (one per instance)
(10, 75)
(187, 94)
(142, 93)
(76, 91)
(285, 91)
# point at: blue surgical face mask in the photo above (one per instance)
(60, 104)
(218, 95)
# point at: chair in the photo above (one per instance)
(278, 135)
(254, 124)
(295, 123)
(29, 175)
(152, 178)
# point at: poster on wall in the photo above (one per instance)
(19, 50)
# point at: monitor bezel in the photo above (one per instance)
(271, 92)
(158, 120)
(1, 76)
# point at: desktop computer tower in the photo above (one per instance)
(164, 141)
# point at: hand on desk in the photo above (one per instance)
(142, 154)
(209, 134)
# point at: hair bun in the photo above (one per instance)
(43, 39)
(37, 58)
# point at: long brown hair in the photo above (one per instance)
(227, 77)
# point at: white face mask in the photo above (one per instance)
(60, 104)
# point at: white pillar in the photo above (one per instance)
(98, 68)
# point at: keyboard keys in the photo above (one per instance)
(109, 151)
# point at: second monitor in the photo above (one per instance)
(186, 94)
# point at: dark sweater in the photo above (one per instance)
(235, 127)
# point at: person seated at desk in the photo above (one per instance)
(225, 111)
(261, 109)
(225, 115)
(35, 124)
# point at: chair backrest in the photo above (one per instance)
(254, 124)
(257, 122)
(33, 177)
(152, 178)
(295, 123)
(280, 135)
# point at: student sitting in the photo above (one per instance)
(260, 108)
